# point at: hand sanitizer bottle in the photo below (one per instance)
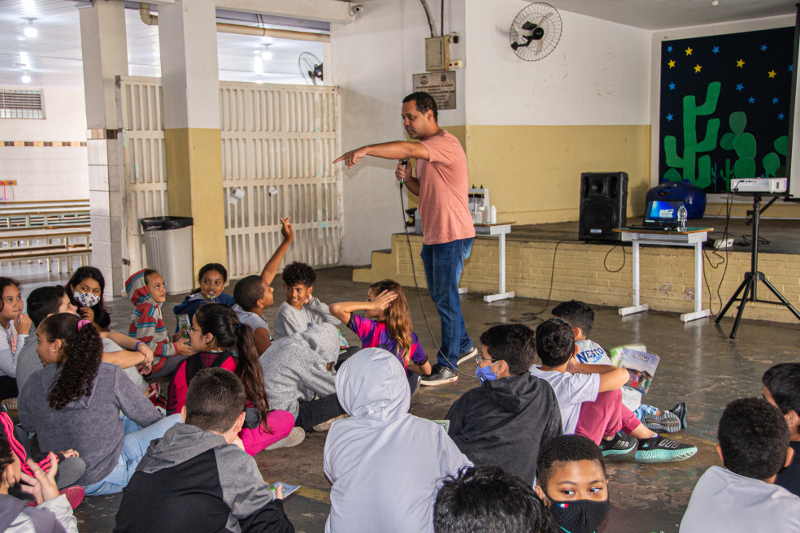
(682, 215)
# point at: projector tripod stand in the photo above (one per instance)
(751, 279)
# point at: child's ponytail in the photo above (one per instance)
(79, 358)
(398, 317)
(249, 371)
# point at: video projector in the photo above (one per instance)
(765, 185)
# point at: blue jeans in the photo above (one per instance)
(645, 410)
(134, 446)
(444, 264)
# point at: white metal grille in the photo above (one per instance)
(278, 142)
(21, 104)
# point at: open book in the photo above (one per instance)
(640, 364)
(287, 489)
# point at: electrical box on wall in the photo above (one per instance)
(437, 53)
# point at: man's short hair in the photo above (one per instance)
(215, 399)
(424, 103)
(248, 291)
(299, 274)
(555, 342)
(44, 301)
(486, 499)
(512, 343)
(754, 438)
(577, 314)
(565, 449)
(783, 383)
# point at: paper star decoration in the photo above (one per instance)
(739, 87)
(669, 49)
(740, 63)
(697, 68)
(669, 118)
(771, 73)
(688, 51)
(791, 68)
(775, 100)
(780, 117)
(751, 100)
(715, 50)
(671, 64)
(763, 47)
(671, 86)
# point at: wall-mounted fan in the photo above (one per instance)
(310, 68)
(535, 31)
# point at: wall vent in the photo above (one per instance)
(21, 103)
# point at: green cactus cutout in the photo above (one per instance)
(744, 144)
(695, 171)
(772, 161)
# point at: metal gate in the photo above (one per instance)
(278, 142)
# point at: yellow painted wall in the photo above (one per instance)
(533, 172)
(194, 182)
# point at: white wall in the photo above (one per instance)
(47, 172)
(373, 61)
(598, 74)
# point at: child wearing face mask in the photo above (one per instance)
(85, 290)
(572, 483)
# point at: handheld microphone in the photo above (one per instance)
(405, 166)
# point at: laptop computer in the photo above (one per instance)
(660, 215)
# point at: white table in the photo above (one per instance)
(691, 237)
(499, 229)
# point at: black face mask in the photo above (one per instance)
(579, 516)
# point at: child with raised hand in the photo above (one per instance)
(53, 511)
(581, 318)
(301, 310)
(571, 480)
(221, 341)
(211, 281)
(253, 294)
(782, 389)
(85, 290)
(742, 497)
(387, 324)
(16, 328)
(590, 400)
(74, 402)
(148, 293)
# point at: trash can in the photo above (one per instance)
(168, 243)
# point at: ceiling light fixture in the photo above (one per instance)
(25, 78)
(29, 31)
(266, 55)
(715, 3)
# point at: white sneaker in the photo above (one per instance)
(295, 437)
(469, 354)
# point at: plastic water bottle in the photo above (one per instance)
(682, 215)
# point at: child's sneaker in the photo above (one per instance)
(680, 411)
(622, 443)
(659, 449)
(667, 421)
(295, 437)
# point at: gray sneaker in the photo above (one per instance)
(469, 354)
(439, 376)
(295, 437)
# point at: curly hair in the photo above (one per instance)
(101, 313)
(398, 317)
(79, 358)
(299, 273)
(555, 342)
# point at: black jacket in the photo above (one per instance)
(504, 422)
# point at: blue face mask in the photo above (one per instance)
(485, 373)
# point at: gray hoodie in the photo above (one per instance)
(295, 367)
(385, 465)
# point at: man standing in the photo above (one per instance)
(442, 184)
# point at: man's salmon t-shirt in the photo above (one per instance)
(443, 191)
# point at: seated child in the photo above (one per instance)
(581, 318)
(572, 483)
(742, 497)
(505, 420)
(45, 301)
(301, 310)
(384, 463)
(16, 329)
(198, 478)
(223, 342)
(211, 278)
(298, 369)
(387, 324)
(591, 400)
(486, 499)
(253, 294)
(74, 402)
(85, 290)
(53, 511)
(782, 389)
(148, 293)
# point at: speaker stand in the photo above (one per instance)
(751, 279)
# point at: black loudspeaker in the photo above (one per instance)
(604, 205)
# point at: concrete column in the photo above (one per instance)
(105, 56)
(190, 82)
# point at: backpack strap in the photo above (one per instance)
(194, 364)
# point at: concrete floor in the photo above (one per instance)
(699, 365)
